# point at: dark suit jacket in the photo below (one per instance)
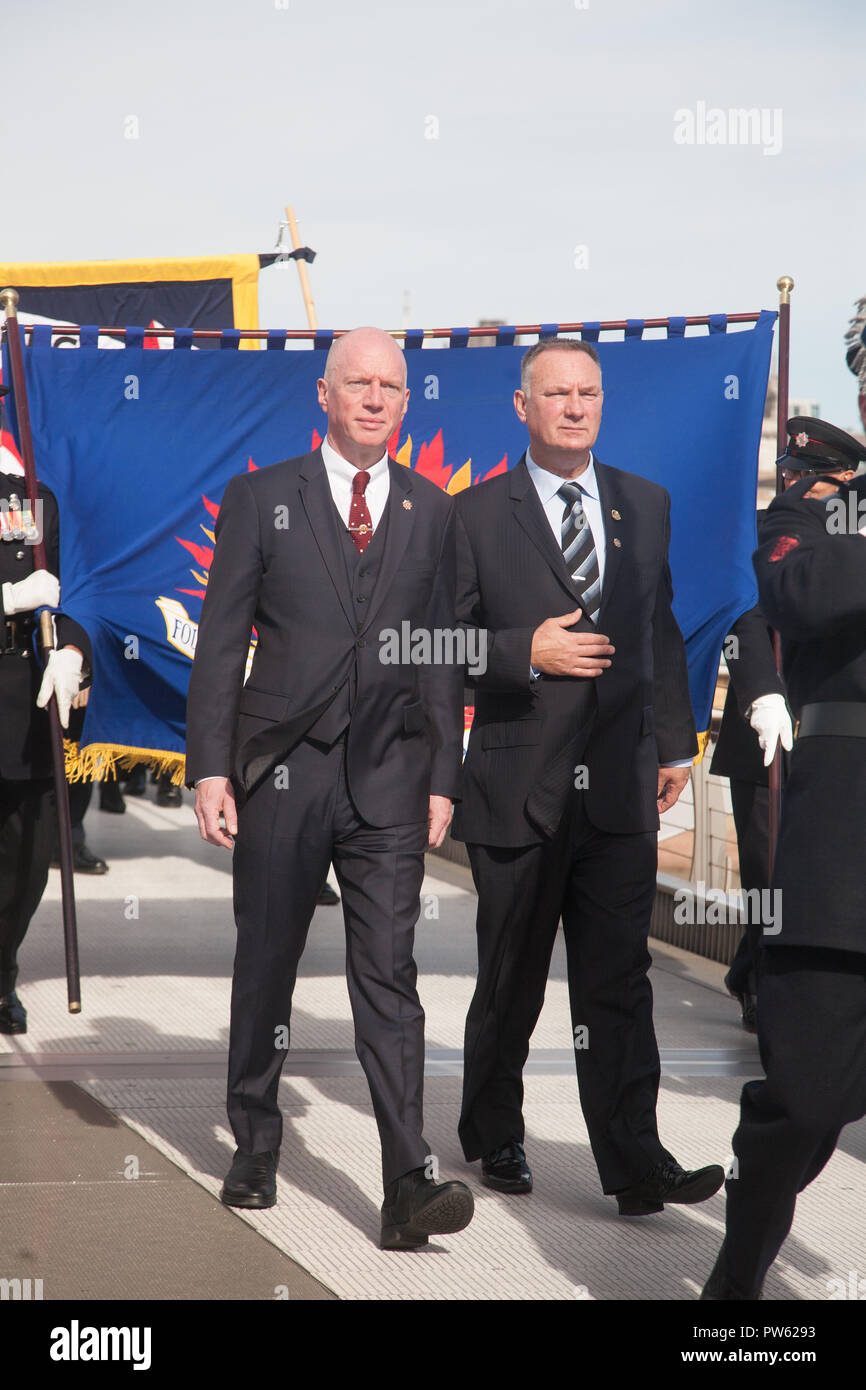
(751, 674)
(528, 736)
(315, 632)
(25, 748)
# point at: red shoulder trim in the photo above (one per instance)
(782, 546)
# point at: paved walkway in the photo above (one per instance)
(135, 1085)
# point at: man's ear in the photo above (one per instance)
(520, 405)
(322, 390)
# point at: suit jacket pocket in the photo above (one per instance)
(414, 718)
(511, 734)
(648, 722)
(263, 704)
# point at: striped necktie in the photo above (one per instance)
(578, 550)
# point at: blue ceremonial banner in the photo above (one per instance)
(138, 446)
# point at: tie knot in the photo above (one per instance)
(359, 483)
(571, 493)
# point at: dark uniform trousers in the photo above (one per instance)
(603, 886)
(27, 820)
(298, 819)
(751, 808)
(812, 1036)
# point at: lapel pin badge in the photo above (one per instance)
(407, 505)
(615, 514)
(617, 542)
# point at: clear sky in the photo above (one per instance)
(556, 127)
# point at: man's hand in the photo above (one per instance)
(560, 653)
(769, 717)
(61, 678)
(438, 818)
(671, 782)
(37, 590)
(213, 796)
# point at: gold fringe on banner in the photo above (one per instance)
(703, 740)
(99, 761)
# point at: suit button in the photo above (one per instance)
(362, 574)
(361, 598)
(361, 642)
(19, 554)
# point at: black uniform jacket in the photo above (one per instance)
(317, 629)
(528, 736)
(812, 587)
(25, 749)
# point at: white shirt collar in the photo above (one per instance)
(335, 463)
(548, 484)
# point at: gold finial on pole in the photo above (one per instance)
(9, 302)
(784, 285)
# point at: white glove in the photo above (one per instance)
(39, 590)
(769, 717)
(62, 679)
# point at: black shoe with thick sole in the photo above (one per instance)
(169, 796)
(748, 1005)
(328, 896)
(415, 1208)
(668, 1182)
(13, 1015)
(505, 1169)
(252, 1180)
(84, 861)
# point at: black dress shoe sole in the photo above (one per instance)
(445, 1214)
(516, 1186)
(253, 1201)
(9, 1028)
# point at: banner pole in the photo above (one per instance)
(784, 285)
(9, 302)
(302, 270)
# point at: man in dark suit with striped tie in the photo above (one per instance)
(583, 733)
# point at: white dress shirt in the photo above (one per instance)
(340, 476)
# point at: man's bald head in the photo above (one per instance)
(361, 343)
(363, 393)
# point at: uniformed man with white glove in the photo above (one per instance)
(26, 797)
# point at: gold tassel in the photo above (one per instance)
(97, 762)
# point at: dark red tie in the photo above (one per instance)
(360, 523)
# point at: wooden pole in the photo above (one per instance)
(9, 302)
(302, 270)
(784, 285)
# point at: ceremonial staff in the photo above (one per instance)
(784, 285)
(9, 302)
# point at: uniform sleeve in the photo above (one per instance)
(752, 663)
(811, 576)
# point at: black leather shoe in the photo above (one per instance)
(415, 1207)
(135, 783)
(111, 798)
(505, 1169)
(668, 1182)
(328, 896)
(251, 1180)
(84, 861)
(748, 1006)
(719, 1288)
(169, 796)
(13, 1015)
